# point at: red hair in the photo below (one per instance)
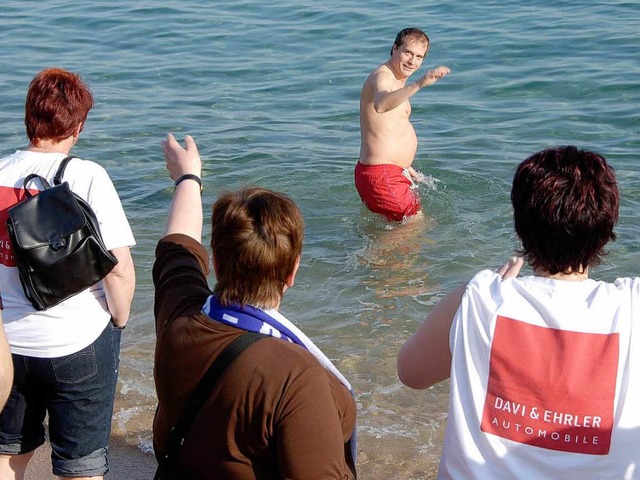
(57, 102)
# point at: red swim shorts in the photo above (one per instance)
(385, 190)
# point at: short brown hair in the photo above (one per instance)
(256, 240)
(57, 102)
(565, 206)
(411, 32)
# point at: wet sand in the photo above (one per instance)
(128, 462)
(125, 462)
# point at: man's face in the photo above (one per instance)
(408, 57)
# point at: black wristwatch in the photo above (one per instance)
(190, 176)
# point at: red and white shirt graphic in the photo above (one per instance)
(9, 196)
(545, 380)
(551, 388)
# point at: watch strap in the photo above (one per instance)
(190, 176)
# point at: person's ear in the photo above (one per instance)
(291, 278)
(76, 132)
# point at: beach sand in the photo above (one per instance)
(125, 462)
(128, 462)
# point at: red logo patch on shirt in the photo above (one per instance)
(9, 196)
(551, 388)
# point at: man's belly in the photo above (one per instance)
(398, 150)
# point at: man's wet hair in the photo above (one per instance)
(410, 32)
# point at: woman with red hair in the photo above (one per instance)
(65, 357)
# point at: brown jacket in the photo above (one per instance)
(275, 413)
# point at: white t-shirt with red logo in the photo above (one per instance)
(79, 320)
(545, 380)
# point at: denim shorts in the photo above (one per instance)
(77, 392)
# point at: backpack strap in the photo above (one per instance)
(57, 179)
(199, 396)
(33, 176)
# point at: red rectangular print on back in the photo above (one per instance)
(551, 388)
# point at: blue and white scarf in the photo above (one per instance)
(274, 324)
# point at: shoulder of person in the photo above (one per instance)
(296, 369)
(484, 279)
(281, 354)
(628, 283)
(79, 166)
(289, 363)
(381, 72)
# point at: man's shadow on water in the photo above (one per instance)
(393, 255)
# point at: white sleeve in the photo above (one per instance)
(91, 181)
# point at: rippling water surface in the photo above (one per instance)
(270, 92)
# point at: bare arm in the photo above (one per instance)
(385, 98)
(185, 213)
(119, 286)
(6, 367)
(425, 359)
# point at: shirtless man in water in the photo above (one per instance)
(383, 174)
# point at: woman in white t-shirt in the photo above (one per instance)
(65, 357)
(544, 369)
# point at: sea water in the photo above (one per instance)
(270, 92)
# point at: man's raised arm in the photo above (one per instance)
(386, 99)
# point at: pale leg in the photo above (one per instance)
(12, 467)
